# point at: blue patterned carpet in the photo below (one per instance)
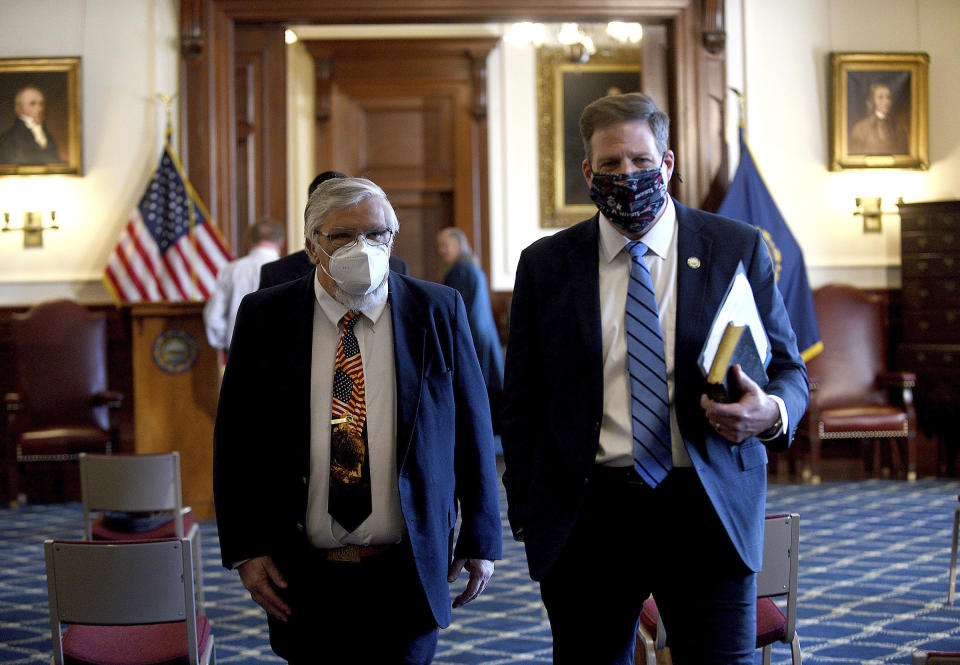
(873, 582)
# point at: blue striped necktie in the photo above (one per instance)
(649, 401)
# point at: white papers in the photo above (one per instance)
(738, 307)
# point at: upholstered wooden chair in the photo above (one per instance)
(126, 602)
(62, 406)
(853, 394)
(776, 579)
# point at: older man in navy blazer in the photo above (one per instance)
(341, 522)
(604, 520)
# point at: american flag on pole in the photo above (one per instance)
(169, 250)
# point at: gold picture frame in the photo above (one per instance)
(55, 148)
(878, 110)
(564, 88)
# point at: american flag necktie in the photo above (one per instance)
(349, 499)
(649, 401)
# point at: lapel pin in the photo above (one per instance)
(693, 262)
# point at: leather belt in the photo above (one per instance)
(353, 553)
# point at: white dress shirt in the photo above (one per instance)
(616, 428)
(234, 281)
(374, 332)
(36, 129)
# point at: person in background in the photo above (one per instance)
(238, 278)
(28, 141)
(296, 265)
(622, 477)
(351, 432)
(878, 132)
(461, 271)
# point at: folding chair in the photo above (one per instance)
(137, 484)
(952, 577)
(126, 602)
(778, 577)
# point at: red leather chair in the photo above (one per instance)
(853, 395)
(62, 406)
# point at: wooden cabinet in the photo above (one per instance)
(930, 246)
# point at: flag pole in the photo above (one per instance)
(741, 110)
(168, 146)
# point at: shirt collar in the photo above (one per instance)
(335, 310)
(657, 238)
(30, 122)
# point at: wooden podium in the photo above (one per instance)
(175, 389)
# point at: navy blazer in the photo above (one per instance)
(444, 442)
(553, 386)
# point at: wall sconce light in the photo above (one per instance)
(32, 226)
(871, 209)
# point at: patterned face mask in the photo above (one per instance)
(631, 202)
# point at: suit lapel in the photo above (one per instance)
(409, 342)
(584, 253)
(693, 267)
(300, 357)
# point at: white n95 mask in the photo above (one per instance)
(359, 268)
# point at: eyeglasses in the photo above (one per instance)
(343, 237)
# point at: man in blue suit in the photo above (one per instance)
(352, 428)
(604, 519)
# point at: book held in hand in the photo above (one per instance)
(736, 348)
(737, 336)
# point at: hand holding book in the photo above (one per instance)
(736, 337)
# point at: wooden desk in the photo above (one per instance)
(175, 393)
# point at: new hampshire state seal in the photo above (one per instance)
(175, 351)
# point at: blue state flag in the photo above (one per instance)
(748, 200)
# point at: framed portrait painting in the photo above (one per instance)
(40, 116)
(564, 88)
(878, 110)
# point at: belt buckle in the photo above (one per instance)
(346, 554)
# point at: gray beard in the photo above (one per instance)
(367, 301)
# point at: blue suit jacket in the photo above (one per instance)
(553, 387)
(444, 440)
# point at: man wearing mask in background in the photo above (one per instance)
(622, 477)
(338, 486)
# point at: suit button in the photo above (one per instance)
(304, 479)
(300, 527)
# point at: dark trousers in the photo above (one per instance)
(630, 541)
(371, 611)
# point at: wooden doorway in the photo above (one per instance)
(411, 116)
(695, 56)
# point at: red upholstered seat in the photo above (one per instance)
(152, 644)
(771, 623)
